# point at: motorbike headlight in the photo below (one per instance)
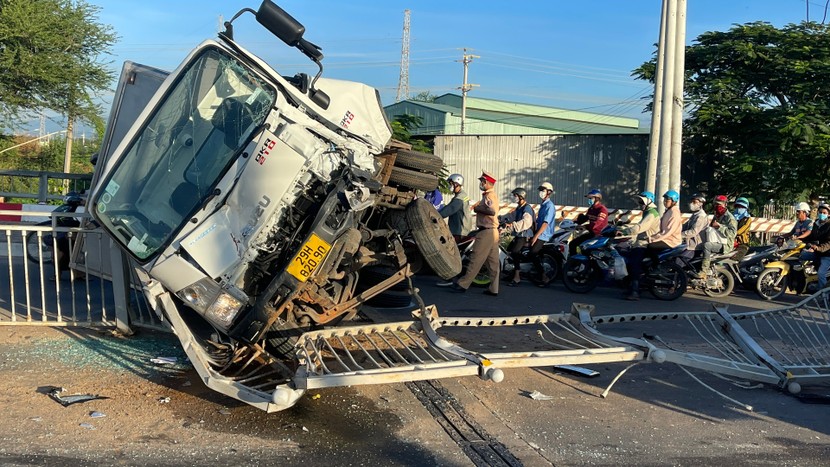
(208, 298)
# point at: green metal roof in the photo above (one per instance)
(537, 111)
(488, 116)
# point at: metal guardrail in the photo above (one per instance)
(34, 291)
(788, 346)
(13, 179)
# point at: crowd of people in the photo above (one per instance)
(724, 232)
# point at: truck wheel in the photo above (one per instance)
(414, 179)
(433, 237)
(419, 161)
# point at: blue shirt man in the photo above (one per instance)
(544, 228)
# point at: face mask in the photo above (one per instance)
(515, 199)
(740, 212)
(590, 202)
(694, 207)
(720, 210)
(543, 195)
(481, 186)
(822, 217)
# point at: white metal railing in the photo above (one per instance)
(34, 290)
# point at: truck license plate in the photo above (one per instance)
(308, 258)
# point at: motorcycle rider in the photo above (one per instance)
(744, 219)
(457, 211)
(544, 229)
(671, 224)
(693, 229)
(649, 224)
(803, 223)
(521, 223)
(725, 226)
(818, 245)
(596, 217)
(486, 246)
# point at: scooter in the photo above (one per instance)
(788, 273)
(42, 250)
(597, 260)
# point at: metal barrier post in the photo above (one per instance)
(120, 288)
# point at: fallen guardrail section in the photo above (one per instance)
(788, 347)
(402, 351)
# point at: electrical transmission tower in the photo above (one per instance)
(403, 81)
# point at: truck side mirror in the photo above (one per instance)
(280, 23)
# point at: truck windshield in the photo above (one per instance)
(173, 163)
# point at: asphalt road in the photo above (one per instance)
(655, 415)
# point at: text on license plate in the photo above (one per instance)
(308, 258)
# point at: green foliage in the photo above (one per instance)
(424, 96)
(402, 126)
(50, 58)
(758, 100)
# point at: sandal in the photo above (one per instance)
(513, 284)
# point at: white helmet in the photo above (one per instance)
(457, 179)
(802, 206)
(567, 224)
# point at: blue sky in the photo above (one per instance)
(575, 54)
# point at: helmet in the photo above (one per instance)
(721, 199)
(456, 178)
(73, 199)
(672, 195)
(824, 206)
(802, 206)
(546, 186)
(645, 198)
(699, 197)
(520, 192)
(594, 193)
(567, 224)
(743, 202)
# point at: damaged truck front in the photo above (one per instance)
(255, 201)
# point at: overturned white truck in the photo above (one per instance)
(265, 209)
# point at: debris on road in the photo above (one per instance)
(164, 360)
(96, 414)
(73, 398)
(164, 400)
(538, 396)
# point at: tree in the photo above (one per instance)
(402, 126)
(424, 96)
(50, 58)
(758, 102)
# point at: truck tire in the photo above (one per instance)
(433, 237)
(419, 161)
(413, 179)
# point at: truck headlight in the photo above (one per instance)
(208, 298)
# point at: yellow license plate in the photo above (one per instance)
(308, 258)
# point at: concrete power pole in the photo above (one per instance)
(665, 147)
(465, 87)
(403, 81)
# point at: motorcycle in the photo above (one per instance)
(38, 249)
(552, 257)
(597, 260)
(747, 270)
(719, 280)
(789, 272)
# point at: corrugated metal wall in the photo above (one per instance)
(572, 163)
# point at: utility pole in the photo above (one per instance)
(403, 80)
(465, 87)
